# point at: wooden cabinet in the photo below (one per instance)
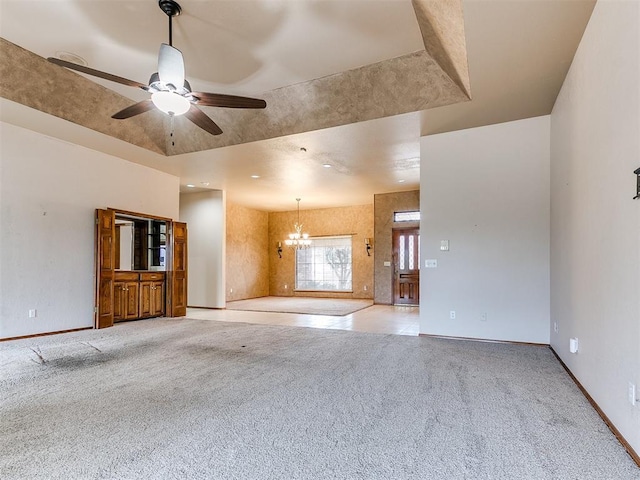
(138, 295)
(143, 244)
(125, 296)
(151, 295)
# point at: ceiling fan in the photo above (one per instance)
(170, 91)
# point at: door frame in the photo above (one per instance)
(394, 272)
(104, 261)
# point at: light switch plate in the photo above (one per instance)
(387, 264)
(431, 263)
(444, 245)
(573, 345)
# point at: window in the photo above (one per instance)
(325, 265)
(413, 216)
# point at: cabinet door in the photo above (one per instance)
(119, 294)
(145, 299)
(105, 267)
(157, 302)
(177, 280)
(131, 307)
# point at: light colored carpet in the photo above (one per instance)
(305, 305)
(170, 399)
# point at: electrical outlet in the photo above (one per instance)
(286, 286)
(555, 327)
(365, 288)
(231, 290)
(33, 313)
(452, 314)
(631, 393)
(483, 317)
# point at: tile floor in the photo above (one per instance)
(375, 319)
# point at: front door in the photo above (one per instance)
(406, 271)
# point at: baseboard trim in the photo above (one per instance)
(483, 340)
(46, 334)
(623, 441)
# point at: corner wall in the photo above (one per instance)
(595, 225)
(486, 190)
(49, 190)
(204, 214)
(247, 257)
(385, 204)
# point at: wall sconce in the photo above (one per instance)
(367, 242)
(279, 250)
(637, 172)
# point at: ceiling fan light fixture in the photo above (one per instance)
(170, 103)
(170, 91)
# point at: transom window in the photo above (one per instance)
(326, 265)
(413, 216)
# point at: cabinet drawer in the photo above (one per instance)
(148, 276)
(126, 276)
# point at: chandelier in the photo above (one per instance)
(298, 239)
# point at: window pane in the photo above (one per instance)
(413, 216)
(411, 252)
(325, 265)
(401, 253)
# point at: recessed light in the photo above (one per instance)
(255, 176)
(205, 184)
(326, 165)
(400, 181)
(190, 185)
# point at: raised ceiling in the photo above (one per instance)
(354, 82)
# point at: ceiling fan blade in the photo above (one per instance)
(133, 110)
(96, 73)
(198, 117)
(228, 101)
(171, 66)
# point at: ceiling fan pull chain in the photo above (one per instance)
(171, 117)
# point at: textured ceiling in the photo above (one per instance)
(408, 83)
(354, 82)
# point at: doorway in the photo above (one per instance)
(406, 266)
(141, 267)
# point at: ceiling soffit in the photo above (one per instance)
(434, 77)
(31, 80)
(442, 26)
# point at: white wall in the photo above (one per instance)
(486, 190)
(595, 225)
(126, 245)
(204, 213)
(49, 191)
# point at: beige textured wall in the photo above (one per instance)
(247, 253)
(356, 220)
(384, 206)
